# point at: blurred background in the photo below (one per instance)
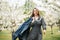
(14, 12)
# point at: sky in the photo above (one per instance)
(21, 2)
(13, 2)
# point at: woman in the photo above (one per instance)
(35, 21)
(36, 33)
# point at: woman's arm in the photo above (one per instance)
(43, 24)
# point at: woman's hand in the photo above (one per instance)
(44, 31)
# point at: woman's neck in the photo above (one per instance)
(36, 16)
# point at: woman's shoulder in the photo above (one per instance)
(40, 17)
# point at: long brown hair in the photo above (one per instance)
(33, 12)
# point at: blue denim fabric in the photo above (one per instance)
(21, 29)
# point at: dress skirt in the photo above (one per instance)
(35, 34)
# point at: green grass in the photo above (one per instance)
(54, 36)
(6, 35)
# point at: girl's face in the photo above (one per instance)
(35, 12)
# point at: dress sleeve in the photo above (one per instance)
(43, 24)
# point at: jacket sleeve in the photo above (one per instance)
(43, 24)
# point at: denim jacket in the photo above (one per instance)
(22, 28)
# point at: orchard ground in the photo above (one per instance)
(7, 35)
